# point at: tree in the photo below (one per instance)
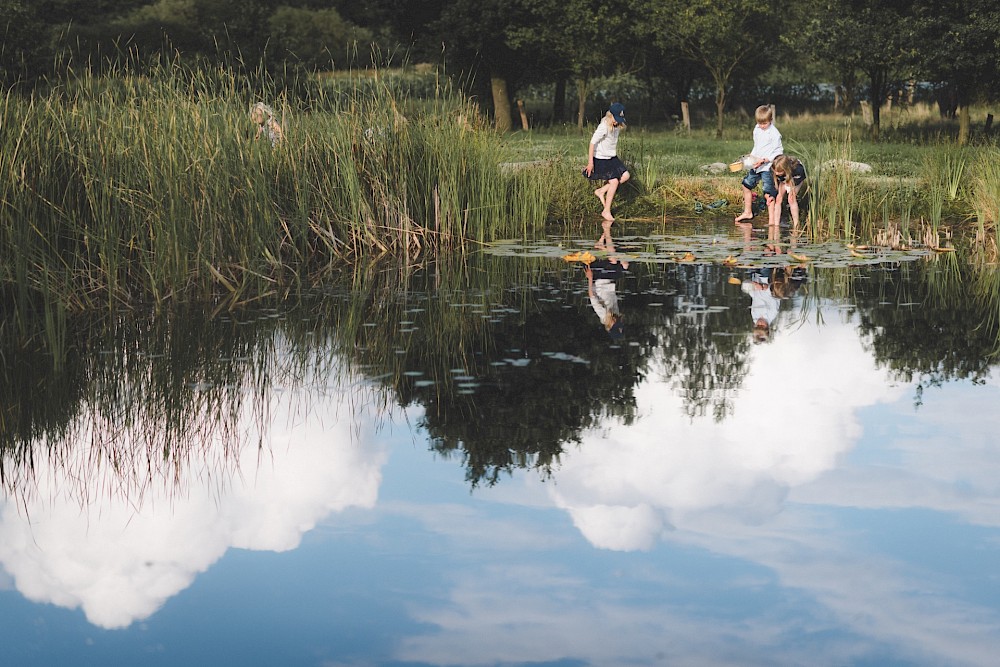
(474, 35)
(724, 36)
(959, 40)
(316, 38)
(583, 38)
(874, 36)
(23, 37)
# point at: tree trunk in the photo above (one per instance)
(720, 106)
(501, 104)
(581, 101)
(559, 103)
(963, 125)
(877, 86)
(686, 115)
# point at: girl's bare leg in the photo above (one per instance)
(793, 206)
(747, 213)
(605, 239)
(774, 212)
(612, 187)
(601, 193)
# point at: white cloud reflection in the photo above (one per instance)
(796, 413)
(120, 561)
(751, 486)
(764, 488)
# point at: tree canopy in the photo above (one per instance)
(729, 52)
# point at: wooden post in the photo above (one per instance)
(524, 116)
(989, 123)
(686, 115)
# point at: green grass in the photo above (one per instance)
(919, 176)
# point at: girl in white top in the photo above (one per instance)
(263, 116)
(602, 159)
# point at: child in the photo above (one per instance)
(602, 159)
(789, 178)
(603, 294)
(764, 305)
(263, 116)
(766, 147)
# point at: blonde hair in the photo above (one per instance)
(785, 165)
(763, 114)
(609, 120)
(266, 112)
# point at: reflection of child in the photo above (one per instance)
(789, 178)
(601, 288)
(263, 116)
(763, 306)
(785, 282)
(766, 147)
(602, 158)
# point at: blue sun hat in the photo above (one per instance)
(618, 112)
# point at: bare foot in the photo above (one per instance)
(745, 216)
(599, 193)
(606, 214)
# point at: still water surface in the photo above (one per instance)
(461, 466)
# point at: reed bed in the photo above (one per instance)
(135, 188)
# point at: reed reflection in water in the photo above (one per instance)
(682, 437)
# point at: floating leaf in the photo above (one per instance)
(584, 257)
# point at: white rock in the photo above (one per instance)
(856, 167)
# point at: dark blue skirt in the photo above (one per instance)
(606, 169)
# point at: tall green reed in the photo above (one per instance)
(834, 189)
(984, 184)
(151, 186)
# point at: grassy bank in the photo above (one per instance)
(918, 176)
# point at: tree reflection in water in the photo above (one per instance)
(502, 355)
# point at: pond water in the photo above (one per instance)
(468, 464)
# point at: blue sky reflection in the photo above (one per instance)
(825, 522)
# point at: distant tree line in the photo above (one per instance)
(737, 51)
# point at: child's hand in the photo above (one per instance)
(589, 168)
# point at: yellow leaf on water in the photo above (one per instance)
(729, 261)
(584, 257)
(733, 280)
(688, 257)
